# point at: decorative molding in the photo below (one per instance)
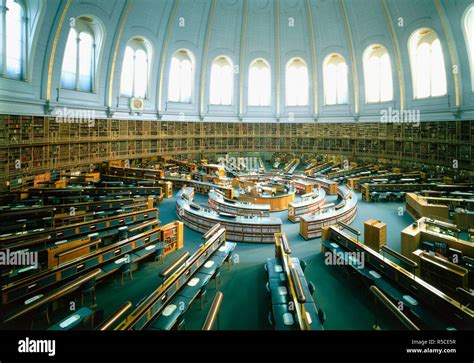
(164, 52)
(449, 40)
(210, 23)
(53, 50)
(398, 56)
(277, 59)
(114, 57)
(242, 57)
(350, 46)
(314, 63)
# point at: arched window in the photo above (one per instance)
(468, 27)
(260, 83)
(296, 83)
(222, 82)
(181, 77)
(81, 53)
(427, 64)
(335, 80)
(86, 61)
(135, 68)
(14, 49)
(378, 74)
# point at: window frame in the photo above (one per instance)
(339, 59)
(415, 41)
(249, 85)
(231, 86)
(307, 88)
(366, 57)
(95, 31)
(135, 46)
(4, 72)
(190, 56)
(469, 40)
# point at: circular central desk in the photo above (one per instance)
(278, 200)
(238, 228)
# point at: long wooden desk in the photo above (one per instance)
(321, 168)
(143, 174)
(458, 209)
(137, 247)
(288, 287)
(415, 234)
(375, 191)
(348, 173)
(74, 231)
(187, 293)
(355, 183)
(47, 217)
(90, 193)
(149, 310)
(417, 206)
(202, 187)
(425, 302)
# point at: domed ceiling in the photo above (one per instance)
(242, 31)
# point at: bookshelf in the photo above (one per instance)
(172, 236)
(108, 139)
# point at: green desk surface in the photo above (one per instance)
(279, 313)
(218, 261)
(192, 291)
(178, 305)
(73, 320)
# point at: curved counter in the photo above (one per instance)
(345, 211)
(238, 228)
(310, 203)
(220, 203)
(277, 195)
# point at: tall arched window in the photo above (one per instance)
(180, 88)
(222, 82)
(296, 83)
(135, 68)
(378, 74)
(468, 27)
(427, 64)
(81, 54)
(14, 40)
(260, 83)
(86, 61)
(335, 80)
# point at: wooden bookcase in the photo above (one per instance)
(42, 144)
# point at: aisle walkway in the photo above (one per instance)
(245, 305)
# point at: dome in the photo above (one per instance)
(244, 60)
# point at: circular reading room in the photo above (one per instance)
(237, 165)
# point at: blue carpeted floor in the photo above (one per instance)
(348, 304)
